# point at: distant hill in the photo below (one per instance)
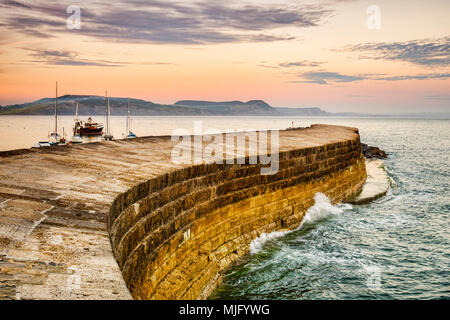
(96, 105)
(253, 107)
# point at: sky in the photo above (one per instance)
(377, 56)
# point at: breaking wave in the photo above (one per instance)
(321, 210)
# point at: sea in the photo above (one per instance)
(397, 247)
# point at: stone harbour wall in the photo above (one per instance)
(121, 220)
(174, 234)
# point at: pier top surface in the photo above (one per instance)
(54, 204)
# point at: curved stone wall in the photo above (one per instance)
(174, 234)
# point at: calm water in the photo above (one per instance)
(395, 248)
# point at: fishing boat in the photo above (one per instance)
(130, 134)
(85, 129)
(88, 128)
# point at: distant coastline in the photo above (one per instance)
(96, 106)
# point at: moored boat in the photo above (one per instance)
(42, 144)
(88, 128)
(130, 134)
(108, 136)
(54, 138)
(76, 138)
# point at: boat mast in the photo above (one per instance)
(128, 117)
(56, 110)
(107, 115)
(108, 135)
(76, 125)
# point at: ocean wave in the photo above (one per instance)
(321, 210)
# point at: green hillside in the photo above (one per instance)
(96, 105)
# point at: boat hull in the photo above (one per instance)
(91, 131)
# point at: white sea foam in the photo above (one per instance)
(321, 210)
(257, 244)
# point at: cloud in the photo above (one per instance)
(67, 58)
(303, 63)
(433, 53)
(324, 77)
(267, 66)
(251, 17)
(71, 58)
(50, 53)
(13, 4)
(150, 63)
(81, 63)
(296, 64)
(176, 22)
(416, 77)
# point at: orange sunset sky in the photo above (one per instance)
(288, 53)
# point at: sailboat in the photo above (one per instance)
(54, 138)
(76, 138)
(108, 135)
(130, 134)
